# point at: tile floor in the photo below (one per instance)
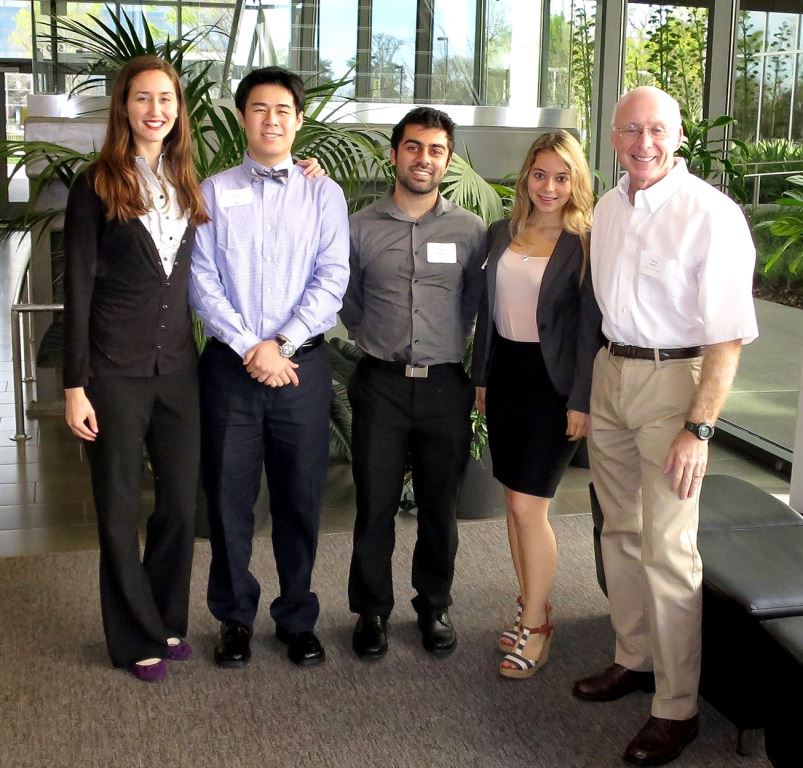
(46, 500)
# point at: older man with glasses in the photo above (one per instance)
(672, 263)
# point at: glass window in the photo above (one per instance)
(215, 22)
(767, 90)
(498, 40)
(262, 38)
(337, 42)
(776, 96)
(666, 46)
(453, 52)
(15, 29)
(750, 31)
(392, 50)
(569, 62)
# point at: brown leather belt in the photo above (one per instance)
(648, 353)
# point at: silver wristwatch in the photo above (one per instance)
(286, 347)
(701, 430)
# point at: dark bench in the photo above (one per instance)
(782, 728)
(751, 545)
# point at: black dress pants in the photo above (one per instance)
(145, 601)
(396, 418)
(246, 425)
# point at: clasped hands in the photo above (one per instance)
(264, 363)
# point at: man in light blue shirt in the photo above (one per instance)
(268, 275)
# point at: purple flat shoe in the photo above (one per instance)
(150, 673)
(180, 652)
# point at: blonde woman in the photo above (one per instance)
(537, 333)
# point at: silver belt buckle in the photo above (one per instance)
(416, 371)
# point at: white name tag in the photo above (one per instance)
(651, 263)
(441, 253)
(232, 197)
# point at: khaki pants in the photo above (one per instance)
(649, 536)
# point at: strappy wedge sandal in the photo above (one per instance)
(508, 638)
(522, 666)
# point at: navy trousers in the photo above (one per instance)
(247, 425)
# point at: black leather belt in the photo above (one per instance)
(407, 369)
(648, 353)
(309, 345)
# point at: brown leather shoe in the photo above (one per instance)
(613, 683)
(661, 740)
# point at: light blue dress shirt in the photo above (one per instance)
(274, 259)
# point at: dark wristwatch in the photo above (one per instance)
(701, 430)
(286, 347)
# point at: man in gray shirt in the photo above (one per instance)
(416, 279)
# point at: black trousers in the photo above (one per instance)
(425, 421)
(246, 425)
(145, 601)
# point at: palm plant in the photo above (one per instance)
(709, 158)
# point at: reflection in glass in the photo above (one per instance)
(15, 29)
(498, 41)
(767, 103)
(392, 50)
(776, 95)
(337, 42)
(568, 75)
(453, 52)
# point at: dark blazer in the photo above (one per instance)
(123, 316)
(569, 320)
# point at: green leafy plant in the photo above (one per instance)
(769, 156)
(709, 158)
(788, 225)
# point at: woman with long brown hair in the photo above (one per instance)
(130, 359)
(538, 331)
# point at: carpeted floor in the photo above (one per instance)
(63, 705)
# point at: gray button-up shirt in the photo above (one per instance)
(415, 285)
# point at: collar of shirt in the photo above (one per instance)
(387, 205)
(249, 163)
(144, 169)
(656, 195)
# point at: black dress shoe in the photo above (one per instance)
(613, 683)
(370, 638)
(234, 647)
(303, 648)
(437, 632)
(661, 740)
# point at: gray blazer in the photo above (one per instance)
(569, 320)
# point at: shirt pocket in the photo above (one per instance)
(661, 279)
(239, 236)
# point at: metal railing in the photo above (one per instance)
(759, 175)
(24, 308)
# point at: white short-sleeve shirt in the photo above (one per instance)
(674, 269)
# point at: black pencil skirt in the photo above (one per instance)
(526, 420)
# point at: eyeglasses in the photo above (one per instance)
(633, 131)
